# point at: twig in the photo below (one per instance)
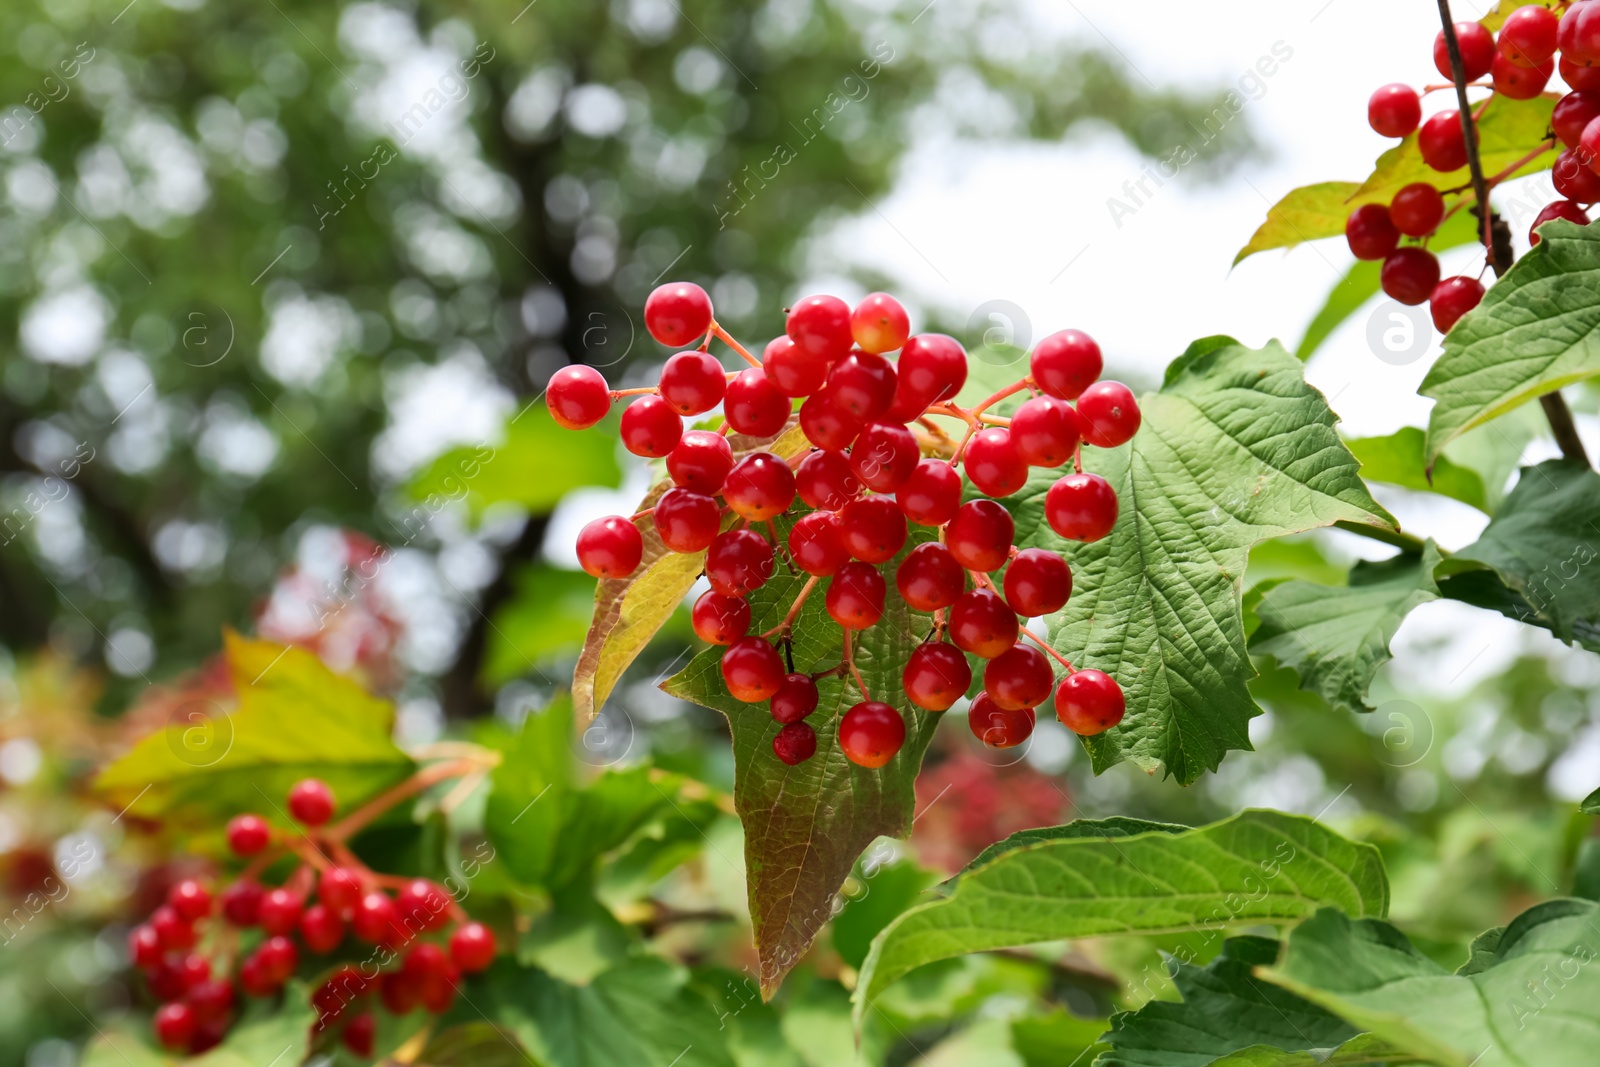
(1399, 539)
(1052, 653)
(727, 339)
(855, 673)
(794, 609)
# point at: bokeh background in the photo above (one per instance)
(280, 284)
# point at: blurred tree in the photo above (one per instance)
(261, 263)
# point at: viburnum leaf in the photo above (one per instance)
(1336, 637)
(629, 611)
(293, 718)
(1541, 544)
(1363, 1050)
(1396, 459)
(1235, 448)
(1530, 999)
(266, 1031)
(805, 825)
(1508, 132)
(1224, 1009)
(1535, 331)
(1093, 879)
(1591, 803)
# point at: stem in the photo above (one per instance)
(1015, 387)
(1397, 538)
(1052, 653)
(794, 611)
(654, 390)
(424, 779)
(1499, 254)
(854, 672)
(722, 335)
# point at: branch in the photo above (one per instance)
(1497, 246)
(1399, 539)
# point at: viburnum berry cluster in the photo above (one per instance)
(203, 951)
(877, 460)
(1532, 44)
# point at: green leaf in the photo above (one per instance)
(1235, 448)
(1591, 804)
(1397, 460)
(547, 617)
(805, 825)
(629, 611)
(520, 470)
(294, 718)
(886, 890)
(267, 1033)
(1224, 1009)
(1541, 543)
(1306, 214)
(477, 1044)
(1529, 1001)
(1537, 329)
(1363, 1050)
(1257, 866)
(1055, 1039)
(1336, 637)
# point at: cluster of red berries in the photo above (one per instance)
(191, 952)
(877, 461)
(1532, 43)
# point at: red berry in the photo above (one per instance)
(176, 932)
(932, 494)
(1589, 142)
(993, 463)
(753, 405)
(795, 699)
(1575, 179)
(932, 368)
(718, 619)
(279, 958)
(340, 889)
(1578, 34)
(248, 834)
(760, 486)
(982, 623)
(1108, 414)
(1064, 364)
(578, 397)
(1528, 36)
(752, 670)
(816, 544)
(1453, 298)
(190, 900)
(174, 1025)
(879, 323)
(650, 427)
(1089, 702)
(280, 910)
(1081, 507)
(398, 992)
(311, 801)
(826, 424)
(739, 562)
(1394, 110)
(241, 903)
(1045, 431)
(862, 385)
(871, 733)
(1409, 274)
(855, 596)
(610, 547)
(999, 727)
(1416, 211)
(1579, 77)
(192, 969)
(1516, 82)
(144, 946)
(687, 521)
(210, 999)
(1370, 232)
(1561, 209)
(700, 461)
(678, 314)
(825, 481)
(1020, 677)
(874, 528)
(423, 903)
(253, 977)
(336, 994)
(929, 578)
(1572, 116)
(936, 676)
(820, 326)
(166, 978)
(795, 743)
(980, 535)
(472, 947)
(1441, 143)
(321, 929)
(359, 1033)
(693, 382)
(1477, 51)
(375, 920)
(1037, 583)
(434, 974)
(795, 371)
(884, 456)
